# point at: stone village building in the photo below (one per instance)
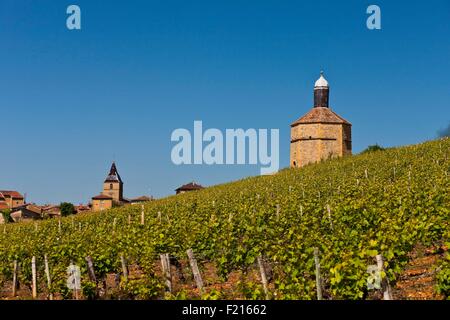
(10, 199)
(112, 194)
(27, 212)
(192, 186)
(321, 133)
(112, 191)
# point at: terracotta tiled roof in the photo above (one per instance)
(82, 207)
(189, 187)
(25, 213)
(11, 194)
(34, 208)
(102, 197)
(320, 115)
(29, 207)
(49, 207)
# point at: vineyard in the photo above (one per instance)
(350, 209)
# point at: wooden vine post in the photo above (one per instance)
(318, 276)
(262, 271)
(91, 272)
(165, 266)
(49, 280)
(142, 215)
(33, 277)
(15, 278)
(195, 271)
(385, 287)
(124, 268)
(329, 216)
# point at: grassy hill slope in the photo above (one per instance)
(351, 209)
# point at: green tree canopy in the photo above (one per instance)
(373, 148)
(67, 209)
(7, 215)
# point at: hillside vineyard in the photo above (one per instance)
(351, 209)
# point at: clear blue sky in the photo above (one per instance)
(72, 101)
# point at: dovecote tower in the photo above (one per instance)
(321, 133)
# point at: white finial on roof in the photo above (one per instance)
(321, 82)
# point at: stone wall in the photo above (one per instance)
(100, 204)
(347, 137)
(312, 142)
(115, 192)
(12, 203)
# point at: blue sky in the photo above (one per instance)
(72, 101)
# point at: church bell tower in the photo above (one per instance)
(113, 185)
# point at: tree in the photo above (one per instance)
(7, 215)
(67, 209)
(373, 148)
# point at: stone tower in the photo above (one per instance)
(320, 134)
(113, 185)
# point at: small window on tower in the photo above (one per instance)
(110, 186)
(295, 164)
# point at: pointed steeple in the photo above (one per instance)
(113, 175)
(113, 170)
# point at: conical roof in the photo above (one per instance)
(320, 115)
